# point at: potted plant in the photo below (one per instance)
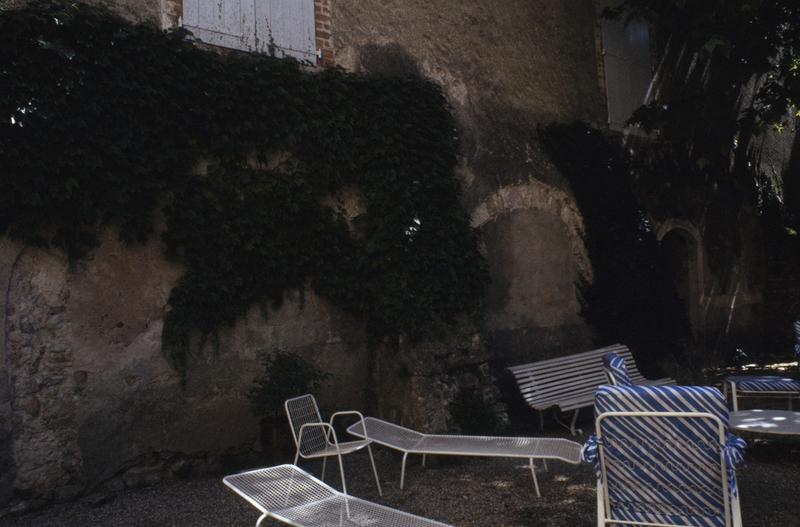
(285, 375)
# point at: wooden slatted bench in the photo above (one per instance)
(569, 382)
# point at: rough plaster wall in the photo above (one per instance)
(93, 398)
(9, 252)
(507, 68)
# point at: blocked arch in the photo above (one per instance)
(674, 231)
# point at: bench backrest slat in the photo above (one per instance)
(571, 380)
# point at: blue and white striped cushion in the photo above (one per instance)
(616, 369)
(764, 383)
(665, 469)
(797, 339)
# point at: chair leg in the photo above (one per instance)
(572, 428)
(344, 486)
(261, 519)
(374, 470)
(541, 420)
(403, 470)
(535, 481)
(734, 397)
(544, 462)
(424, 457)
(324, 462)
(341, 472)
(601, 507)
(296, 455)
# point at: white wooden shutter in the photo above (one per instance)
(626, 50)
(226, 23)
(288, 26)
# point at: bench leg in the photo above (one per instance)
(571, 426)
(535, 481)
(374, 470)
(403, 470)
(572, 429)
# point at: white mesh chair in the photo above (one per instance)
(663, 456)
(315, 438)
(290, 495)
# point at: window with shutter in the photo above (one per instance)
(628, 72)
(285, 27)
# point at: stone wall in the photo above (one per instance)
(91, 401)
(90, 398)
(507, 68)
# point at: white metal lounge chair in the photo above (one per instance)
(664, 457)
(410, 441)
(290, 495)
(779, 386)
(315, 438)
(569, 382)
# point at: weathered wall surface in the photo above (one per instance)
(89, 395)
(507, 68)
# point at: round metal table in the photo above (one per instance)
(766, 422)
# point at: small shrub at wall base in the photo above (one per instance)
(104, 123)
(285, 375)
(473, 414)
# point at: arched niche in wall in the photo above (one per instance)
(682, 250)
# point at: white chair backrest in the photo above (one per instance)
(662, 454)
(301, 411)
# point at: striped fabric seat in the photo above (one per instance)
(664, 456)
(765, 385)
(616, 371)
(797, 339)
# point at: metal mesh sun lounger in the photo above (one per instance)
(293, 496)
(664, 456)
(410, 441)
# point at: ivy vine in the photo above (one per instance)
(105, 123)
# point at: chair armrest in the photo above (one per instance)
(329, 432)
(351, 412)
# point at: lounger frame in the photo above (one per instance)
(270, 490)
(463, 445)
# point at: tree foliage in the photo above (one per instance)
(632, 298)
(104, 123)
(742, 40)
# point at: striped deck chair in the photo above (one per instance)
(615, 369)
(663, 456)
(765, 385)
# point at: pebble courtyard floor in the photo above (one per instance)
(467, 492)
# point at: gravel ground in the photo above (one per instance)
(467, 492)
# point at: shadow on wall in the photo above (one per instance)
(389, 59)
(633, 299)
